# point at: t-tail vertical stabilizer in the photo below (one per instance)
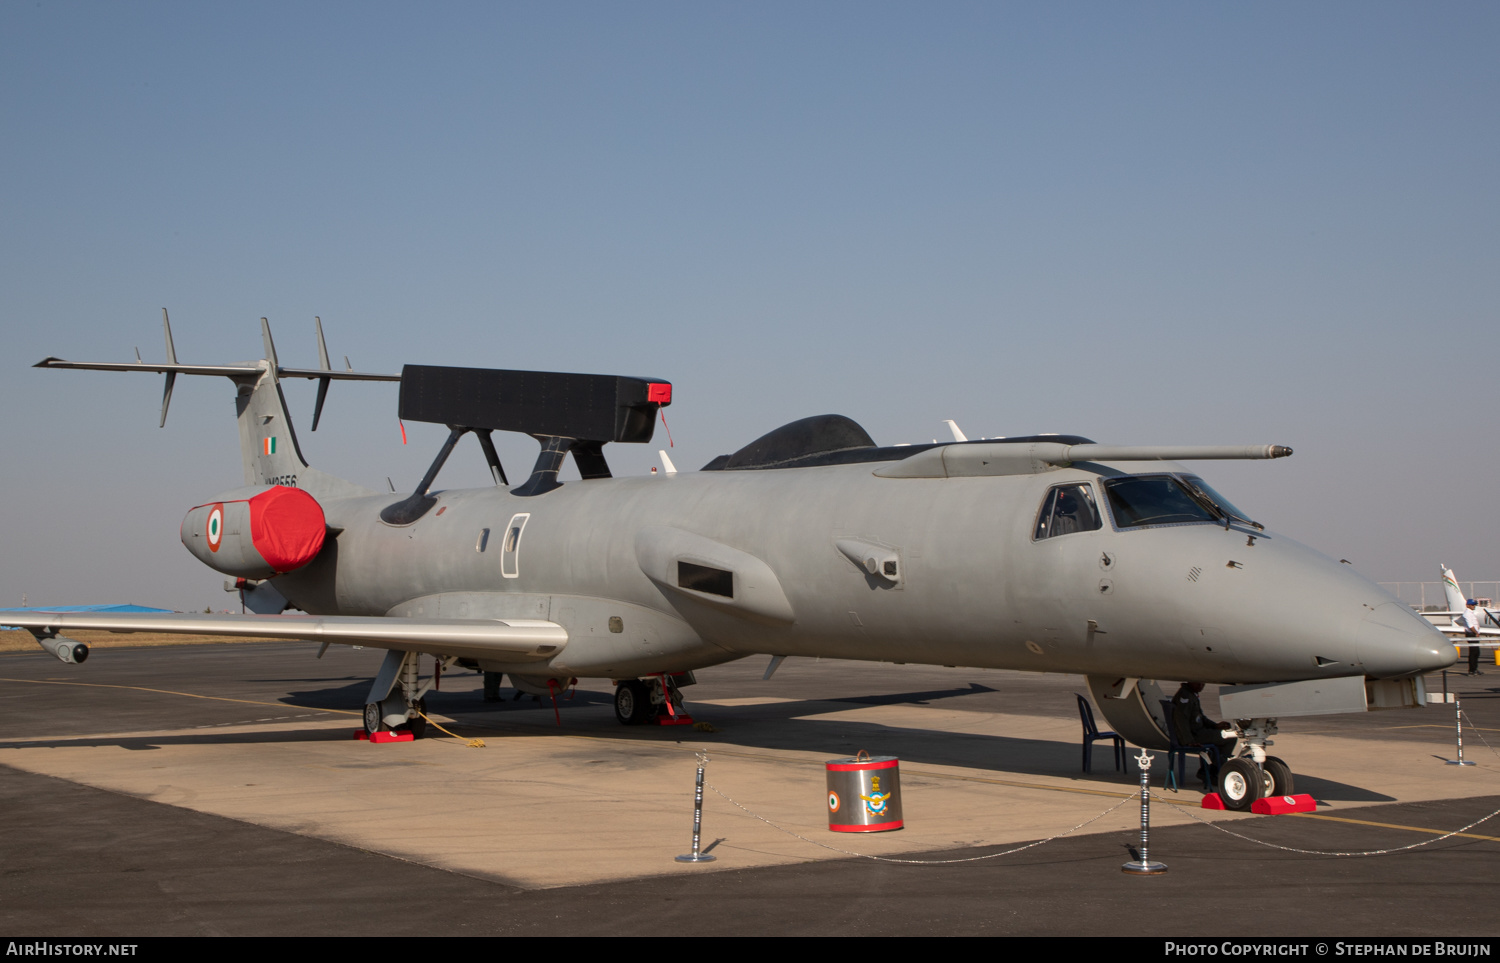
(1454, 597)
(268, 442)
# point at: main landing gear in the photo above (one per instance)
(397, 699)
(1251, 774)
(640, 702)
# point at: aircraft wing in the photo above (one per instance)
(1457, 631)
(512, 639)
(1451, 624)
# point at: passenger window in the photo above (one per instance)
(1065, 510)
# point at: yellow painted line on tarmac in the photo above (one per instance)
(1413, 829)
(190, 695)
(1433, 725)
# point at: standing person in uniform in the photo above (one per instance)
(1193, 728)
(1471, 630)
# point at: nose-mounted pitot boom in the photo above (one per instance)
(256, 532)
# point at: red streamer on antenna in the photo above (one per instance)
(403, 430)
(669, 430)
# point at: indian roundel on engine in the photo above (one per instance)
(215, 527)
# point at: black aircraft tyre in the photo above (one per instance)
(1240, 784)
(373, 723)
(1281, 776)
(632, 702)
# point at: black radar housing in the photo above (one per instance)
(584, 407)
(565, 412)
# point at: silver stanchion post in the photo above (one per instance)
(1458, 729)
(1144, 866)
(697, 856)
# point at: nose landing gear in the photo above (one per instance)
(1252, 774)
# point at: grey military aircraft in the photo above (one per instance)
(1046, 553)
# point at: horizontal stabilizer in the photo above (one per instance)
(248, 370)
(515, 639)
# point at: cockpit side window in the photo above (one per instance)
(1138, 500)
(1067, 509)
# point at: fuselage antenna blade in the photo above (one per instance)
(166, 391)
(324, 366)
(322, 345)
(265, 333)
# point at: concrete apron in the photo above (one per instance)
(541, 806)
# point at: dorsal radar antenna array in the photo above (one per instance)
(565, 412)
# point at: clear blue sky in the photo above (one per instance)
(1145, 223)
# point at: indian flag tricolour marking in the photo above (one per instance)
(270, 445)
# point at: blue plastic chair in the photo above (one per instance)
(1180, 752)
(1091, 733)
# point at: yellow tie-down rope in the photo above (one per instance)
(471, 743)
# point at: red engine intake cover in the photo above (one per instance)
(287, 527)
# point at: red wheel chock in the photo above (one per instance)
(1278, 805)
(383, 736)
(1269, 806)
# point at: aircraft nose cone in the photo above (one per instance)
(1393, 640)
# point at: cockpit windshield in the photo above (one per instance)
(1138, 500)
(1154, 500)
(1219, 501)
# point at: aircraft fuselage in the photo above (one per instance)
(974, 585)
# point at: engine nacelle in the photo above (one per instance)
(70, 651)
(256, 532)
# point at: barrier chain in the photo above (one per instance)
(1368, 852)
(1480, 733)
(920, 862)
(1324, 852)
